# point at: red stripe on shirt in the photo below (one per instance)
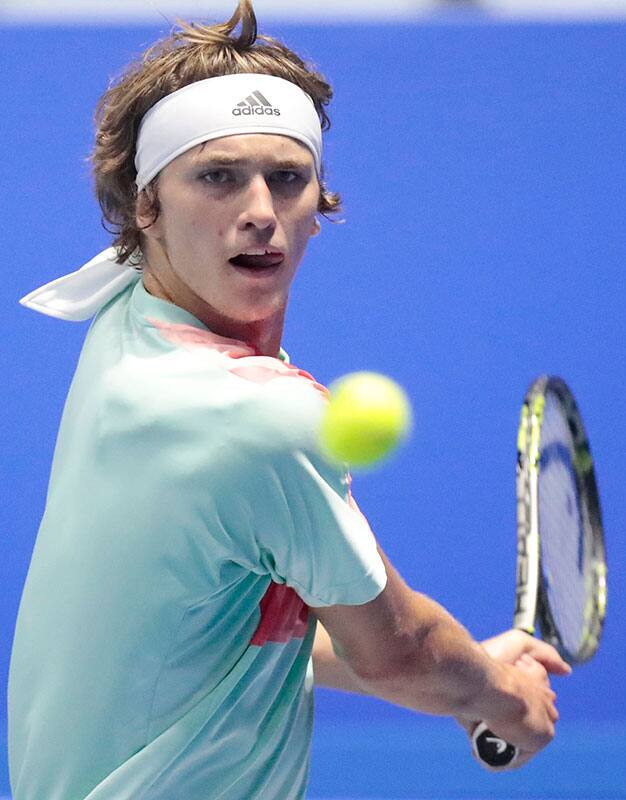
(284, 616)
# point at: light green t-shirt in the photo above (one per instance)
(163, 640)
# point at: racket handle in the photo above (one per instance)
(494, 752)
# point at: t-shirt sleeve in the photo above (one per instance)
(313, 537)
(291, 512)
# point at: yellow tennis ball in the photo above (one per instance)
(367, 416)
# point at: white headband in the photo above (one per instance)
(224, 106)
(208, 109)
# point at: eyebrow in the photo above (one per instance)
(228, 160)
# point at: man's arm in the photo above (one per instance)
(405, 648)
(329, 670)
(509, 647)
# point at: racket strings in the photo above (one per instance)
(564, 539)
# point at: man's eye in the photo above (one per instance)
(216, 176)
(285, 176)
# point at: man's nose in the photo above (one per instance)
(258, 210)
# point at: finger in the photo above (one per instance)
(553, 713)
(549, 694)
(548, 656)
(534, 669)
(539, 668)
(550, 706)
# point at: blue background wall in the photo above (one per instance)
(483, 172)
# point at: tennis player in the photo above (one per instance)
(199, 565)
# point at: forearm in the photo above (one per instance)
(330, 671)
(413, 654)
(407, 649)
(443, 679)
(442, 670)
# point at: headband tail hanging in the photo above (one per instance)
(80, 294)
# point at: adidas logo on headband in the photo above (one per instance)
(256, 104)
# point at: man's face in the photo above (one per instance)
(236, 214)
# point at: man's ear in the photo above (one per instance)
(147, 210)
(316, 227)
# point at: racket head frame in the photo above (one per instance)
(532, 606)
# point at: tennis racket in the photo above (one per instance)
(561, 559)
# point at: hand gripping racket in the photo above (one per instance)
(561, 560)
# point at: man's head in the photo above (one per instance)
(236, 214)
(191, 54)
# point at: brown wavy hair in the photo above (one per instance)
(190, 53)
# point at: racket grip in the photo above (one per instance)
(494, 752)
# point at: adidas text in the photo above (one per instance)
(249, 111)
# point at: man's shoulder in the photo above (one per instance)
(256, 402)
(170, 383)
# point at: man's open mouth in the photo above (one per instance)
(258, 259)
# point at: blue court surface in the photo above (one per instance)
(413, 758)
(418, 758)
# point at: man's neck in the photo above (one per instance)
(263, 335)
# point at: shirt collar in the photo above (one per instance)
(148, 307)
